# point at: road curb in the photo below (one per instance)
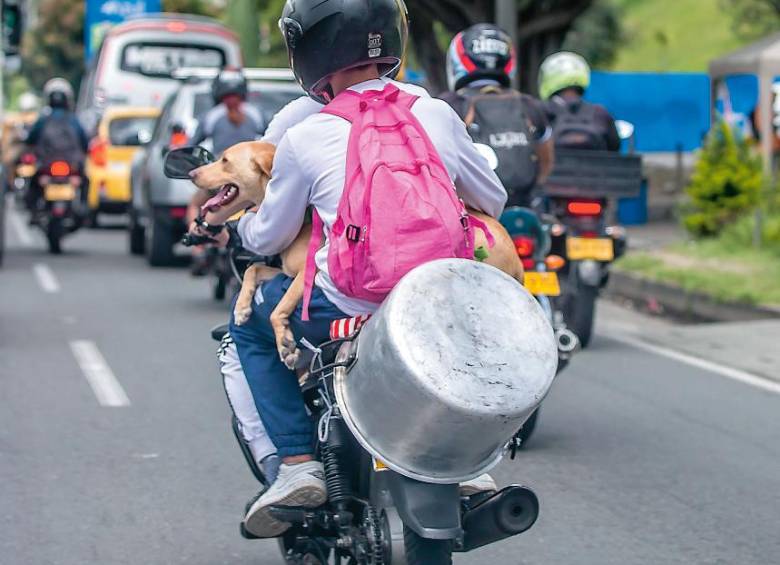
(681, 302)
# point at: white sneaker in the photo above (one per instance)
(301, 485)
(483, 483)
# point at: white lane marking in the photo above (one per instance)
(99, 375)
(46, 279)
(23, 233)
(729, 372)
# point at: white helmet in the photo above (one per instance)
(28, 102)
(56, 89)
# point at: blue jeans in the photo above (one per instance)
(274, 387)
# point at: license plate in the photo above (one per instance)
(542, 284)
(25, 170)
(59, 192)
(597, 249)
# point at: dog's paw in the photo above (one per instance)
(241, 314)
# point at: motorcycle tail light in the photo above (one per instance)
(178, 213)
(28, 159)
(584, 208)
(524, 245)
(59, 169)
(554, 262)
(98, 152)
(178, 139)
(528, 263)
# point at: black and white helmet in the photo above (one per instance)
(58, 93)
(327, 36)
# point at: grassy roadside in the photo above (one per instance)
(729, 275)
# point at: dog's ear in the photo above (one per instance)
(263, 157)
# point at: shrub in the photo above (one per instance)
(726, 182)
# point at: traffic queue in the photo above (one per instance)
(171, 132)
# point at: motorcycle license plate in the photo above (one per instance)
(542, 284)
(597, 249)
(25, 170)
(59, 192)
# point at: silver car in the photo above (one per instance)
(159, 204)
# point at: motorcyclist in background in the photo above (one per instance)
(15, 131)
(230, 121)
(57, 135)
(563, 79)
(480, 65)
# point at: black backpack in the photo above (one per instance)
(60, 140)
(497, 118)
(575, 126)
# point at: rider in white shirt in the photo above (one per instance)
(328, 56)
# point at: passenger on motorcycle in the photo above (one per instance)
(563, 79)
(230, 121)
(57, 134)
(480, 65)
(357, 50)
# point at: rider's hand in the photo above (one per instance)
(220, 240)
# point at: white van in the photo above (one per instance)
(136, 61)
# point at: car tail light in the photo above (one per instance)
(554, 262)
(28, 159)
(98, 152)
(59, 169)
(584, 208)
(178, 213)
(176, 27)
(524, 245)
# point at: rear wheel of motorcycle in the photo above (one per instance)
(422, 551)
(54, 233)
(528, 427)
(581, 312)
(160, 241)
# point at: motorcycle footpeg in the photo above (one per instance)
(290, 514)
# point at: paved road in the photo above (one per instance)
(638, 458)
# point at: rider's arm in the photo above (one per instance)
(612, 136)
(476, 182)
(82, 135)
(280, 217)
(35, 132)
(545, 152)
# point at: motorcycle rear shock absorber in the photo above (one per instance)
(336, 478)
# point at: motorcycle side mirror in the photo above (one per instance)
(488, 153)
(625, 129)
(183, 160)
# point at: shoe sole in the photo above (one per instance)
(263, 525)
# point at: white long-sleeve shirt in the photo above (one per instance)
(309, 169)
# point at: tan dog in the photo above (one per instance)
(242, 175)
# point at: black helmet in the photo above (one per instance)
(483, 51)
(58, 93)
(327, 36)
(229, 81)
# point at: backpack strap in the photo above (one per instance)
(475, 222)
(310, 268)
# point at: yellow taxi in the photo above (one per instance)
(121, 132)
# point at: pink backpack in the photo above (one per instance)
(399, 208)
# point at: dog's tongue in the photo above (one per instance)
(215, 201)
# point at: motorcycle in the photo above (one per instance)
(532, 241)
(25, 171)
(56, 211)
(580, 193)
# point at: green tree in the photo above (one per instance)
(754, 18)
(242, 17)
(55, 47)
(200, 7)
(726, 183)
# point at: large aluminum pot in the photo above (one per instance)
(454, 361)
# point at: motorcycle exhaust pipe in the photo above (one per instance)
(567, 341)
(509, 512)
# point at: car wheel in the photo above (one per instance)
(159, 240)
(136, 235)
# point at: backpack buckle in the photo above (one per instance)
(353, 233)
